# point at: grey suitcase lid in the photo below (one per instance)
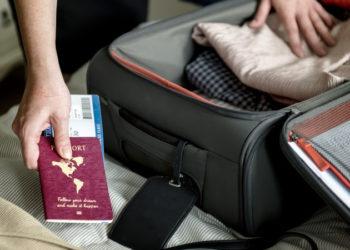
(163, 41)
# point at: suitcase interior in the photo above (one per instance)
(166, 47)
(149, 62)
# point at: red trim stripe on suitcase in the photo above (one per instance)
(156, 78)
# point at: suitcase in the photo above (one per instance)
(237, 159)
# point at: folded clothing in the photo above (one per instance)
(211, 76)
(263, 60)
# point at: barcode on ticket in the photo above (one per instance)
(86, 108)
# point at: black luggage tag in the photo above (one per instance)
(155, 212)
(153, 215)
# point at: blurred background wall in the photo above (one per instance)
(12, 78)
(11, 55)
(159, 9)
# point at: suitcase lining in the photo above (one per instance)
(157, 78)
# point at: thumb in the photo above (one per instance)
(261, 14)
(61, 136)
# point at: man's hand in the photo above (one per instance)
(46, 102)
(306, 17)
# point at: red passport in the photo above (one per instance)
(74, 190)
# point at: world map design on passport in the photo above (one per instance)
(68, 167)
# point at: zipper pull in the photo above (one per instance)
(293, 136)
(295, 111)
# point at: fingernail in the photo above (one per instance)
(252, 23)
(323, 52)
(300, 53)
(32, 166)
(67, 152)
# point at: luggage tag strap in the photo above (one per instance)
(177, 179)
(153, 215)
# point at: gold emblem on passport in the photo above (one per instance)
(68, 167)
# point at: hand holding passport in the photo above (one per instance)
(75, 190)
(41, 107)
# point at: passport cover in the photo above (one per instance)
(74, 190)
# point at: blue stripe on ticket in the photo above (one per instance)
(98, 119)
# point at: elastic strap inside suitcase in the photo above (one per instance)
(318, 144)
(325, 138)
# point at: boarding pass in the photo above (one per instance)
(85, 118)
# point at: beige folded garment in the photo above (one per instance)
(263, 60)
(20, 230)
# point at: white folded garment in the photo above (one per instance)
(263, 60)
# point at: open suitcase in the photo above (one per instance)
(240, 161)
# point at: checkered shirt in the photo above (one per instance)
(211, 76)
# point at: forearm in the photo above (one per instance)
(37, 21)
(46, 100)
